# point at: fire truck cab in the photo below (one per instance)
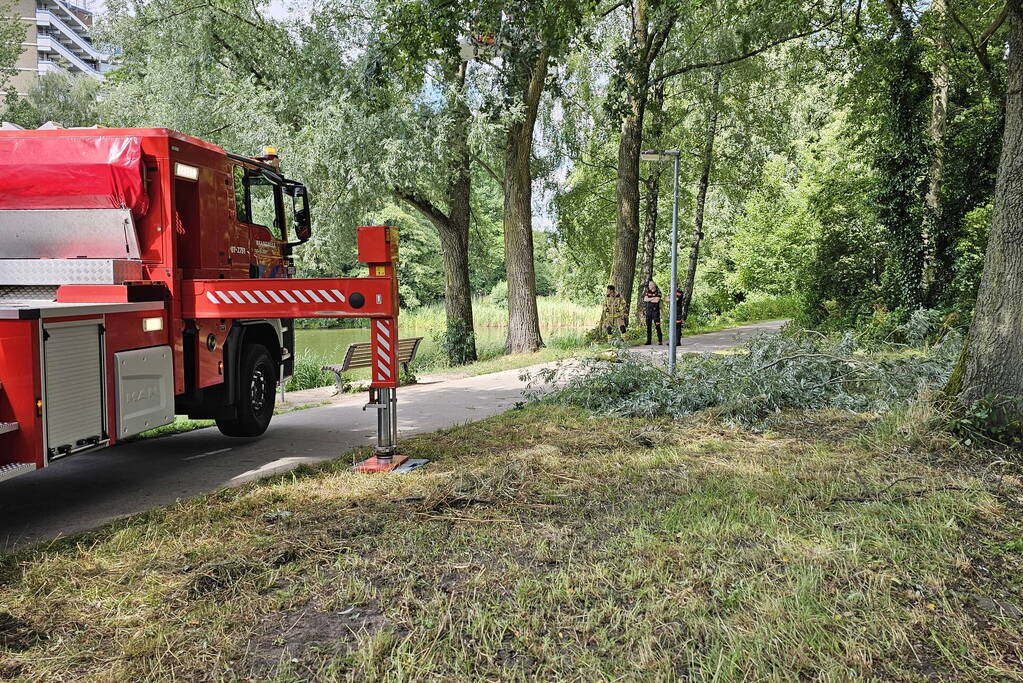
(145, 273)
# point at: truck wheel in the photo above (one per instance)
(257, 375)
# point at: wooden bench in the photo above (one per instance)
(361, 356)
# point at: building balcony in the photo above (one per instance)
(47, 44)
(47, 66)
(47, 18)
(58, 7)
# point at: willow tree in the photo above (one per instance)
(526, 39)
(528, 74)
(426, 55)
(647, 29)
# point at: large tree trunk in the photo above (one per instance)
(453, 228)
(936, 173)
(623, 263)
(523, 318)
(653, 185)
(992, 359)
(454, 242)
(706, 165)
(637, 76)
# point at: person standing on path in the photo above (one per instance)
(613, 315)
(678, 314)
(652, 304)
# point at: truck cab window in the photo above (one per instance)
(263, 204)
(258, 201)
(241, 202)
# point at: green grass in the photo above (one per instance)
(183, 424)
(545, 544)
(554, 312)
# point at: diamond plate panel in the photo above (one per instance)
(68, 233)
(14, 469)
(24, 293)
(85, 271)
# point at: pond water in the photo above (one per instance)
(333, 342)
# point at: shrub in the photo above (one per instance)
(307, 373)
(457, 342)
(881, 326)
(760, 306)
(918, 328)
(922, 326)
(797, 370)
(499, 294)
(990, 419)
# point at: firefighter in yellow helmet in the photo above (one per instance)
(613, 317)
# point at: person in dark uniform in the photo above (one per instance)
(652, 304)
(678, 313)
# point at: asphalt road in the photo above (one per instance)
(86, 491)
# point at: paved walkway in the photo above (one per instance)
(712, 341)
(86, 491)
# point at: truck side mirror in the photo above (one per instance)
(303, 222)
(303, 228)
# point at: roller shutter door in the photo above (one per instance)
(73, 371)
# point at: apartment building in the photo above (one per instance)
(57, 39)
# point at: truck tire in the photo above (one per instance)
(257, 377)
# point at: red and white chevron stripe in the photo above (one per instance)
(385, 352)
(277, 296)
(289, 298)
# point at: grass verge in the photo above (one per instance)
(183, 424)
(550, 544)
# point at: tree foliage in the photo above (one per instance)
(797, 371)
(70, 101)
(12, 34)
(836, 179)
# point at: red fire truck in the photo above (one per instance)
(145, 273)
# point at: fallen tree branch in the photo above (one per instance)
(876, 496)
(455, 518)
(803, 355)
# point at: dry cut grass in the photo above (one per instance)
(548, 544)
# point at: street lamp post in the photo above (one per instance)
(665, 155)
